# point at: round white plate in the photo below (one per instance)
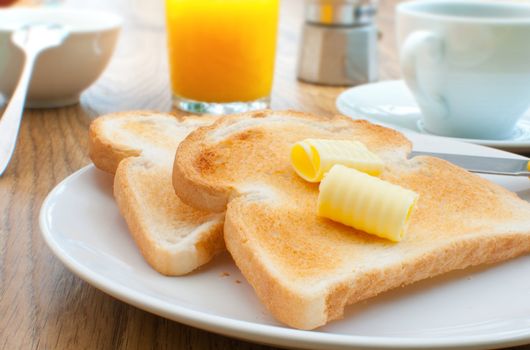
(476, 308)
(390, 103)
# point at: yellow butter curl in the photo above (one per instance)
(365, 202)
(312, 158)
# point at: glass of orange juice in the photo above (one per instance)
(221, 53)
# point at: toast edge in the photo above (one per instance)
(302, 312)
(170, 263)
(315, 310)
(104, 153)
(190, 186)
(191, 190)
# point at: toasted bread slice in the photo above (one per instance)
(306, 269)
(139, 148)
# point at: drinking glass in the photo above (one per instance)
(221, 54)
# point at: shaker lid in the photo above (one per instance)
(341, 12)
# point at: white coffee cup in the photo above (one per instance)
(467, 64)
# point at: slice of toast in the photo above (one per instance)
(306, 269)
(139, 148)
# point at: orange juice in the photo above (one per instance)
(221, 50)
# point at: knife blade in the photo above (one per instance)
(483, 165)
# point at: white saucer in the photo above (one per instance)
(390, 103)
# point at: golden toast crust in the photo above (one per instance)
(104, 153)
(194, 177)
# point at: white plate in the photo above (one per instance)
(390, 103)
(477, 308)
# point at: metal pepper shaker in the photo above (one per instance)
(339, 42)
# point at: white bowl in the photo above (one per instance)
(63, 72)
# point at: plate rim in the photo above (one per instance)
(343, 106)
(246, 330)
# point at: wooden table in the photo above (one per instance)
(42, 304)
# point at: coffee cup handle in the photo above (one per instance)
(415, 44)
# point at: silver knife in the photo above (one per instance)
(484, 165)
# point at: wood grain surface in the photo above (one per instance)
(42, 304)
